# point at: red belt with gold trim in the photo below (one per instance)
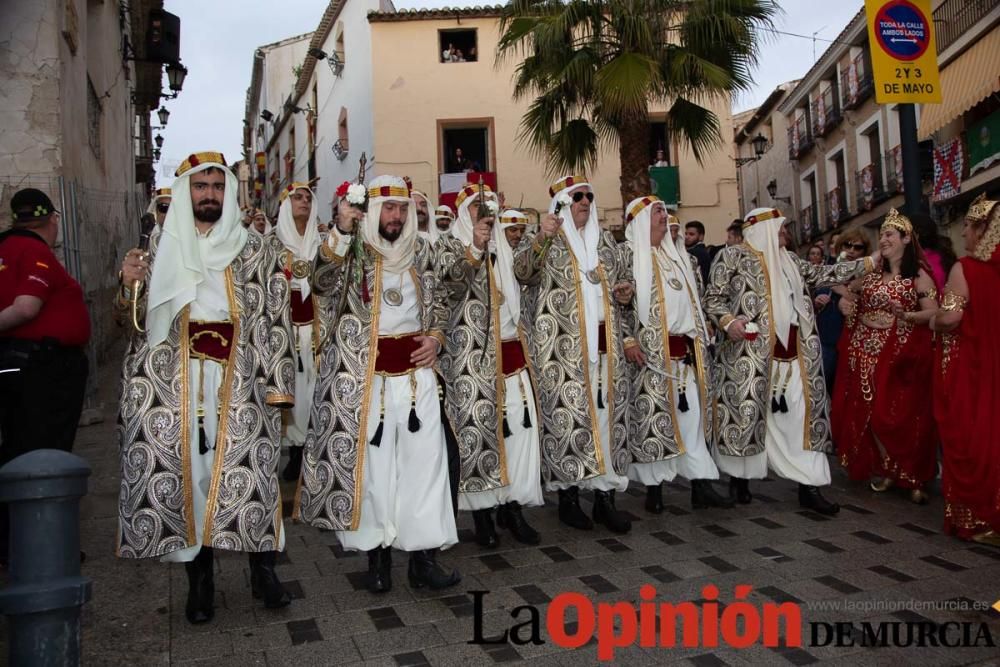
(393, 355)
(679, 346)
(302, 309)
(210, 340)
(792, 351)
(602, 338)
(512, 355)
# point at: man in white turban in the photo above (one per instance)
(204, 384)
(298, 231)
(426, 229)
(159, 205)
(670, 413)
(771, 405)
(443, 218)
(376, 464)
(577, 274)
(490, 402)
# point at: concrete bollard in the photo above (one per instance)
(42, 603)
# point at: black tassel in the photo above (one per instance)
(682, 402)
(782, 404)
(506, 427)
(600, 399)
(202, 437)
(377, 438)
(775, 407)
(526, 422)
(414, 421)
(301, 367)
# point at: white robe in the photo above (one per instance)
(406, 500)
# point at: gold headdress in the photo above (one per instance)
(896, 220)
(980, 209)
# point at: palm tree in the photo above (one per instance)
(593, 68)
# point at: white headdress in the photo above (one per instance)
(397, 256)
(761, 227)
(302, 246)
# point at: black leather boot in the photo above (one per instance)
(509, 516)
(810, 498)
(486, 533)
(294, 466)
(570, 512)
(605, 512)
(704, 495)
(200, 607)
(424, 571)
(739, 489)
(264, 583)
(654, 499)
(379, 579)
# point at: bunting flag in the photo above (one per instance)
(949, 160)
(868, 187)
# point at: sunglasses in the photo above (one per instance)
(855, 246)
(163, 208)
(578, 196)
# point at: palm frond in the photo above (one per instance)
(695, 125)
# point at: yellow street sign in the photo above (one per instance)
(903, 52)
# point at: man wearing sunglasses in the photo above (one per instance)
(160, 205)
(577, 273)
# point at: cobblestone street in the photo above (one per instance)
(878, 549)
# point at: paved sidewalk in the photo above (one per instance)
(879, 549)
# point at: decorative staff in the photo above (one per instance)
(355, 268)
(147, 224)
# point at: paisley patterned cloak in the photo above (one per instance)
(739, 284)
(330, 489)
(558, 352)
(652, 419)
(156, 514)
(471, 367)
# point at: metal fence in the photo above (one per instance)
(98, 226)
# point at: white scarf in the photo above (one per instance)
(787, 292)
(302, 246)
(509, 287)
(462, 228)
(432, 233)
(151, 209)
(397, 256)
(584, 249)
(182, 258)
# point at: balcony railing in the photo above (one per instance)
(871, 187)
(340, 149)
(826, 112)
(836, 207)
(856, 82)
(955, 17)
(800, 138)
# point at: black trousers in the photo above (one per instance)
(40, 403)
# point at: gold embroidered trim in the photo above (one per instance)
(362, 443)
(185, 361)
(953, 302)
(500, 382)
(665, 329)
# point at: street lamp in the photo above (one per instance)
(159, 141)
(156, 155)
(164, 115)
(772, 191)
(759, 144)
(175, 76)
(267, 115)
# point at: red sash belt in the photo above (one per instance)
(512, 356)
(679, 346)
(792, 351)
(210, 340)
(393, 355)
(302, 309)
(602, 338)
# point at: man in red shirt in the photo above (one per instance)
(44, 328)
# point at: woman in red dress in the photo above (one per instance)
(967, 381)
(881, 416)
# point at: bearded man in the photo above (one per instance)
(159, 205)
(376, 464)
(443, 219)
(298, 231)
(577, 354)
(204, 385)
